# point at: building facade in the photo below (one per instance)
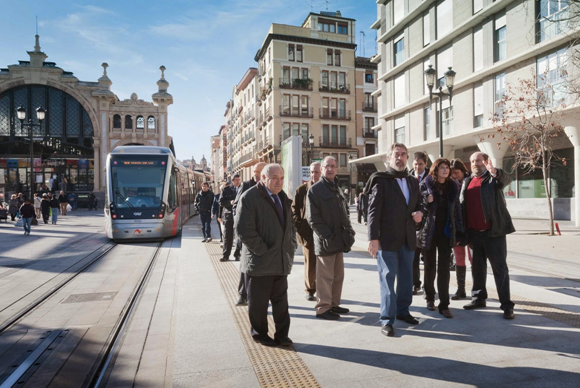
(84, 122)
(491, 45)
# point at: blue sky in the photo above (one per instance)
(206, 46)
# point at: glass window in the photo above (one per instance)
(429, 131)
(341, 80)
(444, 18)
(305, 134)
(343, 29)
(140, 122)
(478, 106)
(342, 109)
(342, 135)
(399, 50)
(128, 122)
(477, 6)
(400, 129)
(116, 121)
(500, 49)
(295, 129)
(304, 107)
(324, 79)
(286, 75)
(151, 123)
(329, 53)
(285, 130)
(444, 60)
(499, 106)
(334, 134)
(134, 184)
(325, 134)
(295, 105)
(342, 160)
(336, 57)
(552, 77)
(554, 18)
(291, 52)
(369, 78)
(299, 54)
(398, 11)
(447, 121)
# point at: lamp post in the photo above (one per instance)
(430, 77)
(40, 114)
(311, 142)
(351, 180)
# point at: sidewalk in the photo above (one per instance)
(475, 348)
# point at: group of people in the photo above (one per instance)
(407, 213)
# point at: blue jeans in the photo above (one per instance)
(391, 265)
(26, 222)
(205, 223)
(54, 214)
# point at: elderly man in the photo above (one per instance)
(488, 222)
(305, 237)
(327, 214)
(227, 198)
(263, 221)
(243, 301)
(394, 209)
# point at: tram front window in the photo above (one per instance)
(137, 183)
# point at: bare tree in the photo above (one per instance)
(528, 120)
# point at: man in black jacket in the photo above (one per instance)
(488, 222)
(204, 204)
(263, 221)
(327, 214)
(394, 210)
(227, 198)
(418, 171)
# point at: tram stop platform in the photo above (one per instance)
(187, 332)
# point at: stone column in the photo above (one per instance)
(574, 136)
(97, 165)
(104, 150)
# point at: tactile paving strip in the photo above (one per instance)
(274, 366)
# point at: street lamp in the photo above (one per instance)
(351, 180)
(430, 76)
(311, 142)
(40, 115)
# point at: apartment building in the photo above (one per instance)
(215, 160)
(490, 44)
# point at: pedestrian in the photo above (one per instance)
(358, 208)
(45, 208)
(27, 212)
(394, 210)
(327, 212)
(459, 173)
(216, 211)
(13, 206)
(21, 198)
(258, 167)
(419, 171)
(203, 204)
(37, 201)
(364, 204)
(72, 200)
(63, 202)
(227, 198)
(441, 229)
(92, 201)
(54, 208)
(264, 223)
(488, 223)
(304, 231)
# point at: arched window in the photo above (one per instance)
(117, 121)
(140, 122)
(128, 122)
(151, 123)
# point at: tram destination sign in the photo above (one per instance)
(145, 163)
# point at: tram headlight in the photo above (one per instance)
(114, 216)
(160, 215)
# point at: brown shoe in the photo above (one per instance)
(446, 313)
(430, 306)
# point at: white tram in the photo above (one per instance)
(148, 194)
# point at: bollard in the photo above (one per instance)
(558, 229)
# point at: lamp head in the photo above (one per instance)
(450, 78)
(430, 75)
(40, 113)
(21, 113)
(311, 139)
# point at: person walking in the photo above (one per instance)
(459, 173)
(37, 202)
(45, 208)
(92, 200)
(419, 172)
(54, 208)
(328, 216)
(227, 198)
(441, 229)
(263, 221)
(258, 167)
(28, 213)
(394, 210)
(72, 200)
(63, 202)
(13, 206)
(488, 223)
(204, 204)
(304, 231)
(216, 211)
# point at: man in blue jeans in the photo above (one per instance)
(394, 209)
(204, 204)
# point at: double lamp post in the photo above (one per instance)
(430, 77)
(40, 115)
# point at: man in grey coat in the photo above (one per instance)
(263, 221)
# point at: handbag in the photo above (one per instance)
(19, 223)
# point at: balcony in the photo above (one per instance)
(296, 83)
(333, 87)
(366, 107)
(335, 143)
(369, 134)
(286, 111)
(328, 114)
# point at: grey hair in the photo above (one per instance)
(329, 157)
(268, 167)
(313, 164)
(395, 145)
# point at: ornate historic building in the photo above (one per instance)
(84, 122)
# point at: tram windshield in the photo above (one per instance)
(137, 182)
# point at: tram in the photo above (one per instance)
(149, 195)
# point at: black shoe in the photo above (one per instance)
(284, 341)
(459, 295)
(339, 310)
(237, 258)
(329, 315)
(208, 239)
(475, 304)
(416, 290)
(509, 314)
(310, 297)
(411, 320)
(204, 240)
(266, 341)
(225, 259)
(242, 302)
(388, 330)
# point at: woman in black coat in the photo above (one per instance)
(45, 208)
(440, 231)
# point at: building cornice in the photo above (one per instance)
(300, 39)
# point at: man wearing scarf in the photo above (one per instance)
(394, 209)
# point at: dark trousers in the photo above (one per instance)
(493, 249)
(205, 217)
(416, 269)
(309, 268)
(45, 216)
(436, 261)
(228, 235)
(242, 286)
(261, 291)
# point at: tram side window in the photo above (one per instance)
(172, 195)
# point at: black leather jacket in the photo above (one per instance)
(204, 201)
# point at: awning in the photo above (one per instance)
(378, 160)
